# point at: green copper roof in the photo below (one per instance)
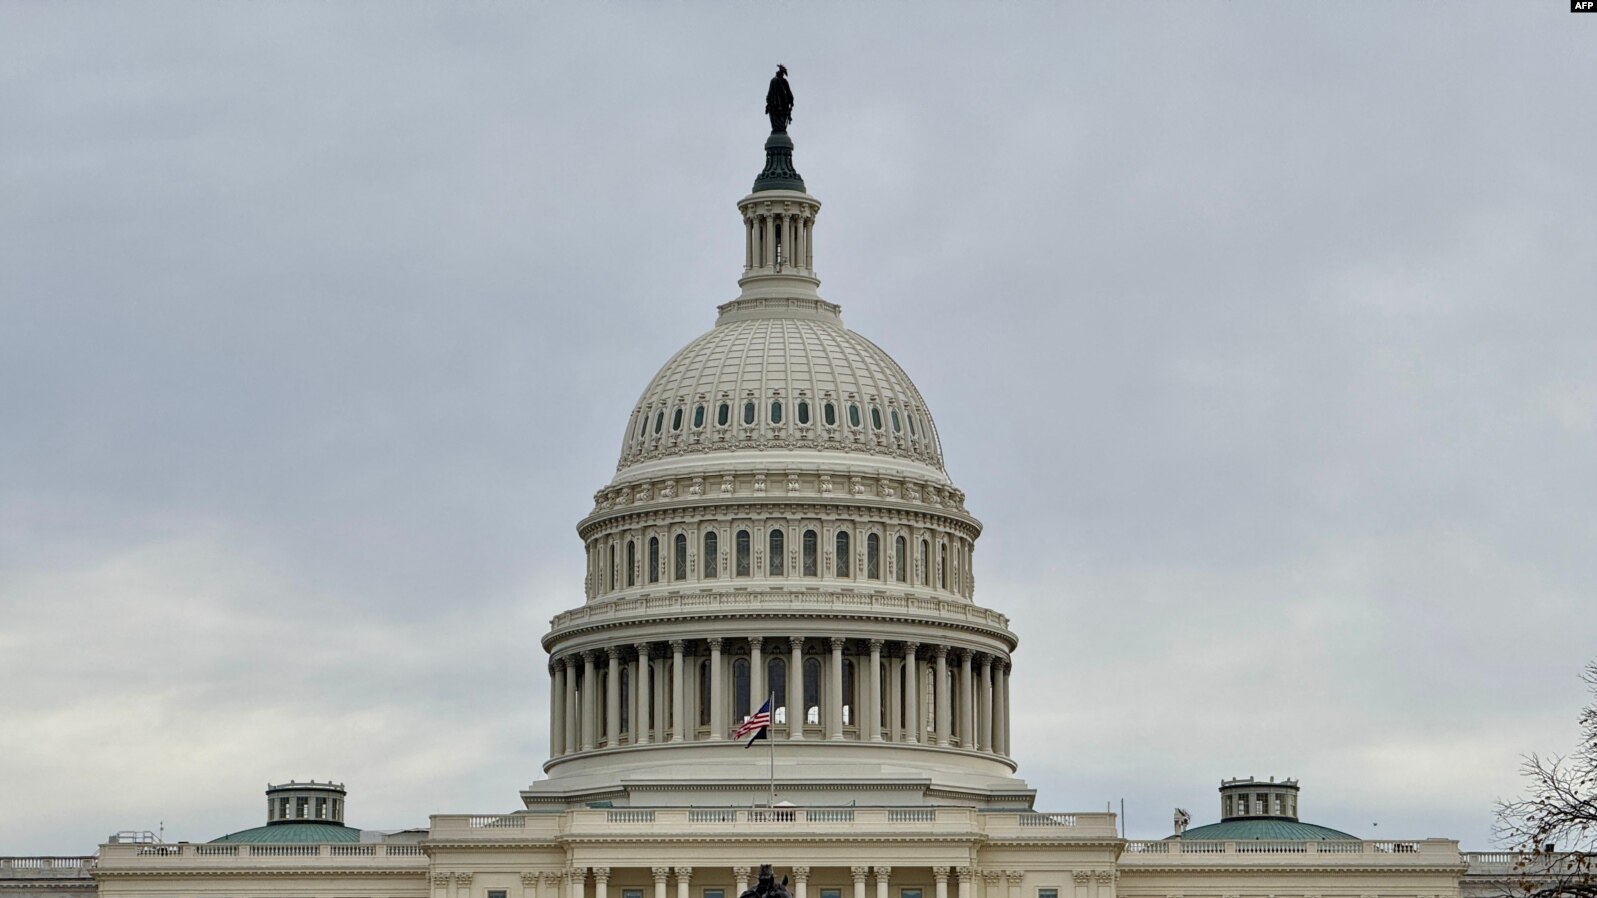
(1263, 829)
(294, 833)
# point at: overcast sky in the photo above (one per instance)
(1262, 337)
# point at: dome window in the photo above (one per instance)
(659, 421)
(698, 416)
(632, 563)
(778, 554)
(900, 562)
(654, 559)
(853, 415)
(810, 541)
(911, 417)
(742, 568)
(676, 419)
(679, 560)
(873, 557)
(842, 565)
(748, 412)
(897, 427)
(712, 549)
(876, 418)
(723, 415)
(776, 411)
(803, 411)
(829, 414)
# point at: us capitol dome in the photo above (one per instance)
(780, 525)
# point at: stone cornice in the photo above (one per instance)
(419, 871)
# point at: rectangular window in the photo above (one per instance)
(909, 893)
(631, 893)
(496, 893)
(831, 893)
(1047, 893)
(714, 893)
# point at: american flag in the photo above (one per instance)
(756, 725)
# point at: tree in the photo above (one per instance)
(1554, 826)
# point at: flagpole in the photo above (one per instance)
(770, 736)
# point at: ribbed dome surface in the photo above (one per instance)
(1265, 829)
(777, 382)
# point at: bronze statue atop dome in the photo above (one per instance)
(779, 101)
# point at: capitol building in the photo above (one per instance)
(780, 532)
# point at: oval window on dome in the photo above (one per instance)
(876, 417)
(659, 420)
(676, 419)
(897, 427)
(698, 416)
(853, 415)
(643, 425)
(723, 414)
(829, 414)
(748, 412)
(911, 417)
(803, 412)
(776, 412)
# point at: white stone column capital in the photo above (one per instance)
(660, 873)
(940, 874)
(859, 874)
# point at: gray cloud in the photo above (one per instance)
(1260, 337)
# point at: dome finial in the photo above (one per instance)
(779, 173)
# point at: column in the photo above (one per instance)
(834, 704)
(463, 885)
(660, 873)
(677, 733)
(601, 882)
(612, 701)
(882, 874)
(895, 701)
(984, 703)
(557, 708)
(795, 688)
(579, 881)
(748, 243)
(1004, 680)
(642, 688)
(717, 706)
(742, 876)
(1106, 883)
(873, 717)
(967, 882)
(940, 652)
(801, 882)
(589, 678)
(859, 880)
(571, 727)
(757, 694)
(911, 697)
(683, 875)
(941, 873)
(967, 702)
(1012, 879)
(548, 885)
(992, 880)
(770, 253)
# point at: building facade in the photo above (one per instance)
(780, 529)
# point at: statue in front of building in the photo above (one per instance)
(779, 101)
(767, 886)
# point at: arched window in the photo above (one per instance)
(804, 411)
(704, 693)
(942, 565)
(712, 555)
(812, 691)
(676, 419)
(748, 412)
(740, 689)
(659, 421)
(829, 414)
(602, 678)
(925, 576)
(876, 418)
(900, 563)
(842, 565)
(853, 414)
(615, 575)
(723, 414)
(741, 568)
(776, 681)
(777, 554)
(776, 411)
(873, 557)
(632, 563)
(848, 692)
(654, 559)
(897, 426)
(811, 569)
(679, 564)
(698, 416)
